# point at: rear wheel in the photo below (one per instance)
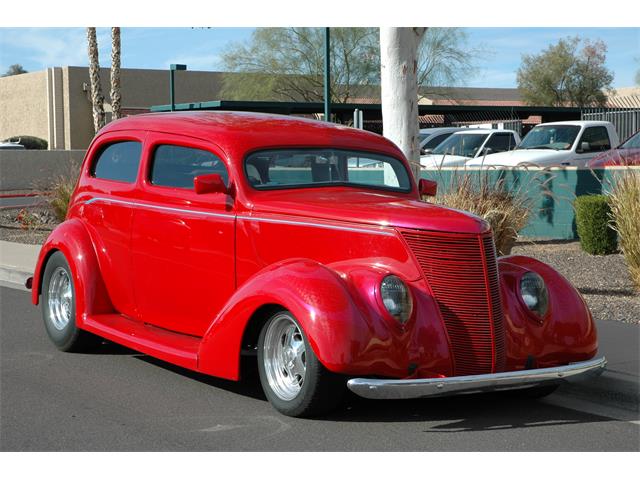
(59, 308)
(292, 377)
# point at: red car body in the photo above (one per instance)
(189, 278)
(627, 154)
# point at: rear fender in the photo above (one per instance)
(72, 239)
(317, 297)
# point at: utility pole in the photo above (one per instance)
(327, 75)
(172, 90)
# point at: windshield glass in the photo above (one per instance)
(633, 142)
(287, 168)
(551, 137)
(464, 145)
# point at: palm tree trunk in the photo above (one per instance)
(115, 73)
(97, 99)
(399, 89)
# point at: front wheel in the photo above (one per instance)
(59, 308)
(292, 377)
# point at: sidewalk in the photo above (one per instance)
(618, 386)
(17, 262)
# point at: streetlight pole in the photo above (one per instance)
(172, 91)
(327, 76)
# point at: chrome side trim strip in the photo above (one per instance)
(374, 230)
(434, 387)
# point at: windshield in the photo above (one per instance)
(551, 137)
(633, 142)
(464, 145)
(287, 168)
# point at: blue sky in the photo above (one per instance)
(38, 48)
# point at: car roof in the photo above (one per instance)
(577, 123)
(239, 132)
(468, 131)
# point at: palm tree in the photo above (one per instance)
(97, 99)
(115, 73)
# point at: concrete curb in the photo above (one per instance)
(14, 276)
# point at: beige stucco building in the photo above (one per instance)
(55, 104)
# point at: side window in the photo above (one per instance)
(598, 139)
(175, 166)
(118, 161)
(501, 142)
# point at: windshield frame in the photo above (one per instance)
(266, 188)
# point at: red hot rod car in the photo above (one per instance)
(199, 237)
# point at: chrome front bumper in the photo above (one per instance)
(433, 387)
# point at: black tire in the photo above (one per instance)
(68, 338)
(533, 392)
(321, 390)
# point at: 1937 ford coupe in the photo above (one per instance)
(199, 237)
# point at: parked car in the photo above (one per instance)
(9, 145)
(628, 153)
(200, 237)
(430, 138)
(467, 144)
(571, 143)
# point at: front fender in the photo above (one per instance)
(318, 298)
(73, 240)
(566, 334)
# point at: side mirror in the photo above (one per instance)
(427, 188)
(585, 147)
(487, 151)
(210, 183)
(425, 151)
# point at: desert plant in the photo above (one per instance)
(29, 142)
(506, 208)
(625, 213)
(60, 195)
(592, 221)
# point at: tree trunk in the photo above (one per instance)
(399, 89)
(115, 73)
(97, 99)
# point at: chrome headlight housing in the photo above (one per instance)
(534, 293)
(396, 298)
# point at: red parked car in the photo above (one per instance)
(627, 154)
(200, 237)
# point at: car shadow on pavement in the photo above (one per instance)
(465, 413)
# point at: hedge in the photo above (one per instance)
(593, 215)
(29, 142)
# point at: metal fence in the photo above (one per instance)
(625, 120)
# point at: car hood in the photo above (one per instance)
(516, 157)
(436, 161)
(366, 207)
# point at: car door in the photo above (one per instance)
(182, 242)
(108, 187)
(598, 141)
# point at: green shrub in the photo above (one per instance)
(592, 220)
(29, 142)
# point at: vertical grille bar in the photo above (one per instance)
(462, 271)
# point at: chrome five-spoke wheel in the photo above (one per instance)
(284, 357)
(60, 298)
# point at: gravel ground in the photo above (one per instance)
(604, 281)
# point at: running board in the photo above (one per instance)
(157, 342)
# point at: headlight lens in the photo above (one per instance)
(534, 293)
(396, 298)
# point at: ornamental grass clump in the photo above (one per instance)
(593, 225)
(506, 208)
(625, 215)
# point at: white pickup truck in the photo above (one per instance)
(570, 143)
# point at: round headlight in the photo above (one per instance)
(534, 293)
(396, 298)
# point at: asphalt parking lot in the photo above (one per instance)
(119, 400)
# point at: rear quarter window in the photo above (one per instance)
(118, 161)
